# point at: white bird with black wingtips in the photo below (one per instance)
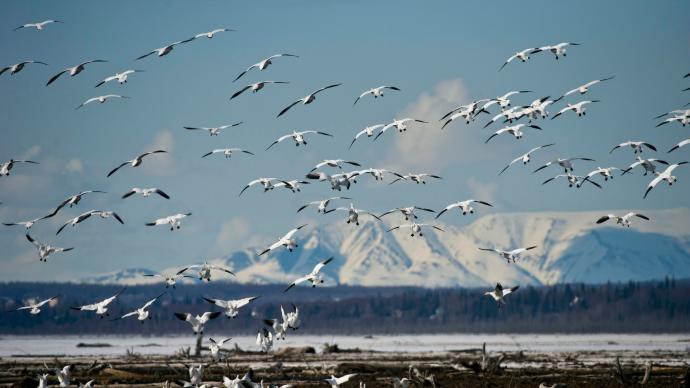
(212, 33)
(267, 184)
(175, 221)
(45, 250)
(292, 185)
(416, 178)
(636, 146)
(682, 143)
(121, 78)
(511, 255)
(17, 67)
(171, 280)
(622, 220)
(606, 172)
(72, 71)
(286, 241)
(308, 99)
(573, 180)
(464, 206)
(525, 158)
(415, 228)
(38, 26)
(335, 163)
(376, 92)
(407, 212)
(255, 87)
(136, 162)
(523, 56)
(298, 137)
(648, 165)
(566, 163)
(559, 50)
(264, 63)
(232, 306)
(35, 307)
(100, 308)
(321, 205)
(147, 192)
(215, 347)
(198, 322)
(101, 99)
(400, 125)
(314, 277)
(513, 130)
(354, 213)
(142, 312)
(582, 89)
(578, 108)
(7, 166)
(227, 152)
(204, 270)
(369, 131)
(499, 293)
(213, 131)
(664, 176)
(335, 382)
(86, 215)
(165, 50)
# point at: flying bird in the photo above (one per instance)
(45, 250)
(335, 163)
(86, 215)
(407, 212)
(679, 145)
(255, 87)
(502, 101)
(198, 322)
(267, 184)
(513, 130)
(664, 176)
(314, 277)
(622, 220)
(121, 78)
(559, 50)
(335, 382)
(463, 206)
(170, 280)
(29, 223)
(35, 307)
(354, 213)
(175, 220)
(523, 56)
(227, 152)
(74, 70)
(400, 125)
(369, 131)
(213, 131)
(578, 108)
(415, 228)
(293, 185)
(286, 241)
(582, 89)
(298, 137)
(321, 205)
(101, 99)
(6, 167)
(499, 293)
(216, 346)
(682, 119)
(232, 306)
(636, 146)
(100, 308)
(566, 163)
(606, 172)
(308, 99)
(648, 165)
(145, 192)
(38, 26)
(142, 312)
(17, 67)
(136, 162)
(165, 50)
(212, 33)
(573, 180)
(264, 63)
(525, 158)
(264, 339)
(509, 255)
(376, 92)
(337, 181)
(416, 178)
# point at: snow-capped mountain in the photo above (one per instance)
(571, 248)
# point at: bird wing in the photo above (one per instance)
(237, 93)
(117, 168)
(288, 107)
(320, 265)
(324, 88)
(56, 76)
(292, 232)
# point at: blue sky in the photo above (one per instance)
(439, 53)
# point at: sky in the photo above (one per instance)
(440, 54)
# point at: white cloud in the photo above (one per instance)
(31, 152)
(483, 191)
(233, 234)
(161, 164)
(74, 166)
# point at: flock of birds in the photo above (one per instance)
(518, 119)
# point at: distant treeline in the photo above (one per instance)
(574, 308)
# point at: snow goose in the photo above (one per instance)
(86, 215)
(171, 280)
(74, 70)
(27, 224)
(145, 192)
(401, 383)
(121, 78)
(64, 374)
(573, 180)
(35, 307)
(215, 347)
(335, 163)
(204, 270)
(298, 137)
(509, 255)
(400, 125)
(212, 33)
(278, 328)
(286, 241)
(578, 108)
(175, 221)
(416, 178)
(335, 382)
(539, 106)
(337, 181)
(198, 322)
(469, 109)
(377, 173)
(463, 206)
(369, 131)
(227, 152)
(682, 119)
(6, 167)
(213, 131)
(509, 115)
(45, 250)
(582, 89)
(142, 313)
(267, 183)
(664, 176)
(677, 112)
(415, 228)
(376, 92)
(100, 308)
(622, 220)
(354, 213)
(513, 130)
(255, 87)
(100, 99)
(73, 200)
(407, 212)
(566, 163)
(679, 145)
(43, 380)
(504, 100)
(136, 162)
(165, 50)
(523, 56)
(648, 165)
(232, 306)
(636, 146)
(38, 26)
(17, 67)
(291, 318)
(308, 99)
(525, 158)
(606, 172)
(293, 185)
(464, 114)
(321, 205)
(499, 293)
(314, 277)
(264, 63)
(264, 339)
(559, 50)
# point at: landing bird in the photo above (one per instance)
(523, 56)
(286, 241)
(582, 89)
(86, 215)
(263, 64)
(499, 293)
(369, 131)
(198, 322)
(335, 163)
(679, 145)
(45, 250)
(38, 26)
(525, 158)
(101, 308)
(407, 212)
(321, 205)
(213, 131)
(314, 277)
(513, 130)
(636, 146)
(415, 228)
(63, 374)
(376, 92)
(171, 280)
(648, 165)
(227, 152)
(17, 67)
(212, 33)
(6, 167)
(232, 306)
(463, 206)
(566, 163)
(204, 270)
(416, 178)
(74, 70)
(622, 220)
(43, 380)
(101, 99)
(255, 87)
(509, 255)
(121, 78)
(353, 214)
(578, 108)
(573, 180)
(291, 318)
(267, 183)
(297, 137)
(337, 181)
(35, 307)
(292, 185)
(606, 172)
(335, 382)
(278, 328)
(308, 99)
(559, 50)
(142, 313)
(165, 50)
(400, 125)
(663, 176)
(145, 192)
(175, 221)
(136, 162)
(216, 347)
(264, 339)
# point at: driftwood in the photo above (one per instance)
(619, 374)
